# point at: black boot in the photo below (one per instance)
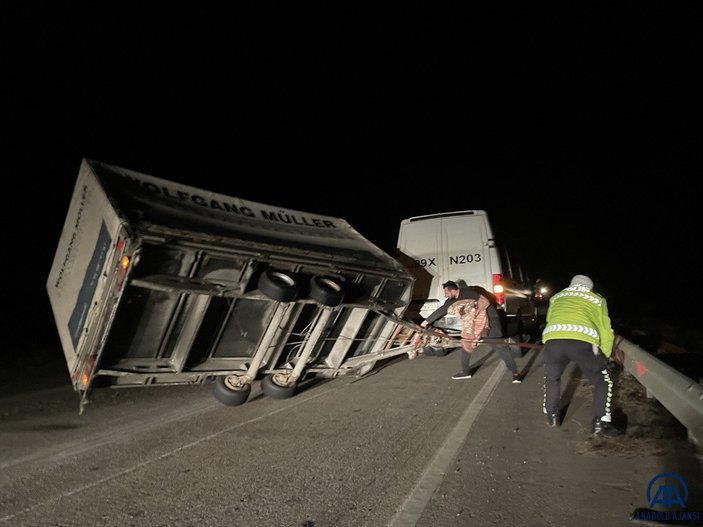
(553, 419)
(605, 428)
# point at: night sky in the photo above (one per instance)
(578, 129)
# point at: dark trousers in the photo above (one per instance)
(503, 350)
(558, 353)
(498, 345)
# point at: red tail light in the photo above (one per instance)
(122, 266)
(498, 289)
(87, 371)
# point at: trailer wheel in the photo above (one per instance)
(230, 390)
(279, 386)
(279, 285)
(326, 290)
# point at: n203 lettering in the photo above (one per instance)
(465, 258)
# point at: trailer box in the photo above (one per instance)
(158, 283)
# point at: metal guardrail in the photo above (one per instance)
(680, 395)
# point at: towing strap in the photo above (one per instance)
(427, 332)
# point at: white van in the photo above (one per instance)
(460, 246)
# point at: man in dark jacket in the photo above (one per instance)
(495, 339)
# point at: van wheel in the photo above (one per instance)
(326, 290)
(230, 390)
(518, 327)
(279, 386)
(514, 347)
(278, 285)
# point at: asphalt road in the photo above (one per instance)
(404, 445)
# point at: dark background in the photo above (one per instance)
(576, 128)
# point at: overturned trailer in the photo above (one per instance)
(158, 283)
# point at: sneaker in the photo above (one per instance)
(553, 419)
(605, 428)
(412, 355)
(517, 378)
(461, 375)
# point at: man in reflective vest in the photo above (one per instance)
(578, 330)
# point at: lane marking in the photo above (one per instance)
(85, 444)
(170, 453)
(416, 502)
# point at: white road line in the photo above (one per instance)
(85, 444)
(170, 453)
(432, 477)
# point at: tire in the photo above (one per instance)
(515, 349)
(514, 326)
(520, 322)
(229, 391)
(279, 285)
(327, 290)
(275, 386)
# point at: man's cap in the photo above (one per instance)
(581, 279)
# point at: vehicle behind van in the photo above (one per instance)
(460, 246)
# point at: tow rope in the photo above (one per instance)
(423, 334)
